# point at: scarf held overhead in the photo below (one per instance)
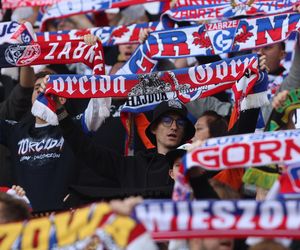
(73, 7)
(211, 39)
(200, 10)
(13, 4)
(109, 36)
(13, 32)
(221, 75)
(63, 52)
(246, 151)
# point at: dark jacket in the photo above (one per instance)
(145, 171)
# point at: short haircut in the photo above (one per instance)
(216, 123)
(42, 74)
(12, 209)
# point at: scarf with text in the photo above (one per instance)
(266, 176)
(240, 74)
(109, 36)
(211, 39)
(63, 52)
(92, 227)
(73, 7)
(242, 151)
(13, 32)
(219, 219)
(13, 4)
(200, 10)
(67, 52)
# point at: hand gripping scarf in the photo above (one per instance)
(73, 7)
(219, 219)
(13, 32)
(200, 10)
(91, 227)
(109, 36)
(13, 4)
(68, 52)
(266, 176)
(211, 39)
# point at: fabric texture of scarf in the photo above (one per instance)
(200, 10)
(13, 32)
(211, 39)
(91, 227)
(109, 36)
(65, 52)
(73, 7)
(266, 176)
(219, 219)
(13, 4)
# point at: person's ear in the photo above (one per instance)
(283, 54)
(153, 129)
(171, 173)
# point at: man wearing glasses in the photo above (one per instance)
(146, 173)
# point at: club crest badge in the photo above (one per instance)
(158, 82)
(20, 55)
(221, 35)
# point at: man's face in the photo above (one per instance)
(36, 88)
(274, 54)
(169, 131)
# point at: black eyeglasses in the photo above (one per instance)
(167, 121)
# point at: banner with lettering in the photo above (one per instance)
(92, 227)
(72, 7)
(63, 52)
(109, 36)
(211, 39)
(13, 4)
(200, 10)
(13, 32)
(242, 151)
(240, 73)
(219, 219)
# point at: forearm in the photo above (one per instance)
(27, 77)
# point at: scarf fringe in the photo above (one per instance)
(40, 110)
(255, 100)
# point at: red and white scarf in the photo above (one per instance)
(63, 52)
(13, 32)
(211, 39)
(242, 151)
(68, 8)
(200, 10)
(109, 36)
(13, 4)
(220, 219)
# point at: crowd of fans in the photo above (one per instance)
(82, 159)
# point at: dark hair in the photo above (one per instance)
(282, 45)
(12, 209)
(216, 123)
(42, 74)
